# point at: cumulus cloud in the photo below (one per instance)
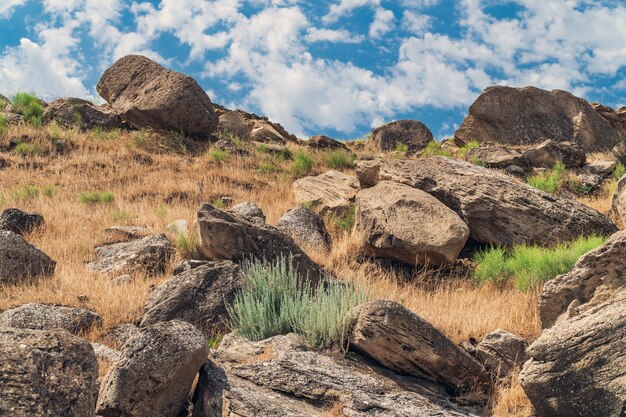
(7, 7)
(334, 36)
(344, 7)
(382, 24)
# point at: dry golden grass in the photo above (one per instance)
(156, 181)
(511, 400)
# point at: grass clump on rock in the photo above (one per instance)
(550, 181)
(529, 266)
(339, 159)
(28, 105)
(275, 300)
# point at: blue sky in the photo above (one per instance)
(338, 67)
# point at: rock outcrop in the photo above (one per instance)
(281, 377)
(328, 193)
(146, 94)
(198, 296)
(234, 123)
(46, 373)
(306, 228)
(78, 112)
(226, 236)
(497, 209)
(497, 156)
(325, 142)
(249, 211)
(21, 262)
(500, 352)
(408, 225)
(410, 133)
(49, 317)
(550, 152)
(618, 203)
(154, 373)
(20, 222)
(529, 115)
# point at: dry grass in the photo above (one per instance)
(156, 181)
(511, 400)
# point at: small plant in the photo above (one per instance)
(161, 210)
(219, 155)
(48, 190)
(275, 300)
(29, 107)
(30, 149)
(402, 147)
(472, 144)
(344, 221)
(550, 181)
(140, 139)
(529, 266)
(3, 124)
(340, 159)
(434, 149)
(619, 171)
(26, 192)
(308, 205)
(97, 197)
(303, 162)
(268, 168)
(188, 245)
(577, 187)
(120, 215)
(281, 154)
(218, 203)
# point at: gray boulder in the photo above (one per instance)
(497, 156)
(21, 262)
(329, 193)
(20, 222)
(78, 112)
(411, 133)
(501, 352)
(618, 202)
(549, 152)
(48, 317)
(249, 211)
(306, 228)
(324, 142)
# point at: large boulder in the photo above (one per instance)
(149, 255)
(46, 373)
(529, 115)
(154, 373)
(618, 203)
(146, 94)
(325, 142)
(408, 225)
(595, 276)
(401, 340)
(226, 236)
(578, 367)
(497, 156)
(411, 133)
(198, 296)
(306, 228)
(280, 376)
(249, 211)
(329, 193)
(20, 222)
(549, 152)
(497, 209)
(235, 123)
(49, 317)
(78, 112)
(501, 352)
(21, 262)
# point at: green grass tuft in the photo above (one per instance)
(434, 149)
(472, 144)
(340, 159)
(619, 171)
(30, 149)
(3, 124)
(303, 163)
(97, 197)
(529, 266)
(402, 147)
(29, 107)
(549, 181)
(274, 300)
(219, 155)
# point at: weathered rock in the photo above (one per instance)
(617, 118)
(367, 172)
(529, 115)
(146, 94)
(149, 255)
(78, 112)
(618, 203)
(49, 317)
(600, 167)
(549, 152)
(179, 227)
(306, 228)
(596, 274)
(5, 104)
(500, 352)
(121, 334)
(225, 236)
(21, 262)
(497, 156)
(589, 182)
(496, 208)
(235, 123)
(402, 341)
(249, 211)
(12, 118)
(20, 222)
(198, 296)
(188, 265)
(231, 148)
(127, 233)
(105, 353)
(415, 135)
(409, 225)
(46, 373)
(328, 193)
(273, 149)
(324, 142)
(154, 373)
(578, 367)
(281, 377)
(263, 131)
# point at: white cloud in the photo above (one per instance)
(382, 24)
(7, 7)
(334, 36)
(415, 23)
(344, 7)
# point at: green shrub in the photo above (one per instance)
(188, 245)
(434, 149)
(30, 149)
(339, 159)
(549, 181)
(219, 155)
(402, 147)
(619, 171)
(275, 300)
(48, 190)
(3, 123)
(282, 154)
(529, 266)
(344, 221)
(268, 168)
(29, 107)
(97, 197)
(120, 215)
(303, 162)
(472, 144)
(26, 192)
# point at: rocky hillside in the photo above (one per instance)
(163, 255)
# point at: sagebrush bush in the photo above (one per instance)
(344, 220)
(275, 300)
(303, 162)
(97, 197)
(549, 181)
(339, 159)
(529, 266)
(472, 144)
(29, 107)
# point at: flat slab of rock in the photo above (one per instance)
(408, 225)
(497, 209)
(306, 228)
(146, 94)
(281, 377)
(149, 255)
(154, 373)
(530, 115)
(20, 222)
(46, 373)
(497, 156)
(325, 142)
(410, 133)
(126, 233)
(49, 317)
(404, 342)
(549, 153)
(21, 262)
(73, 111)
(578, 367)
(198, 296)
(226, 236)
(602, 168)
(328, 193)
